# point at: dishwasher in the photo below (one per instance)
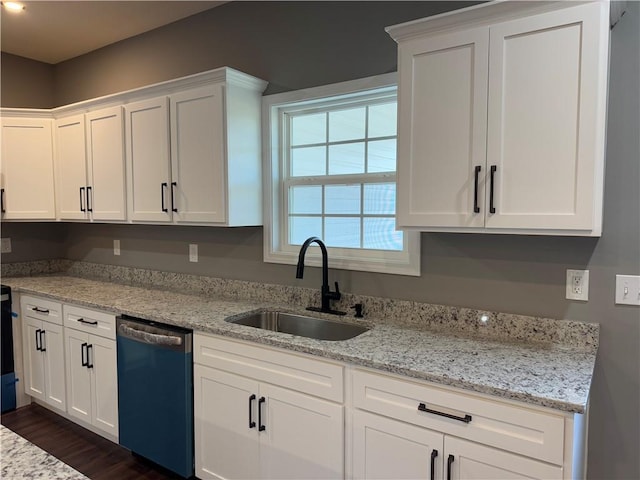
(155, 392)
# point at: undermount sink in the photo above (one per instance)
(301, 325)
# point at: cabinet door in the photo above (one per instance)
(71, 168)
(226, 446)
(472, 461)
(104, 384)
(106, 165)
(53, 344)
(78, 375)
(303, 436)
(27, 169)
(34, 359)
(198, 155)
(147, 156)
(385, 448)
(546, 118)
(442, 105)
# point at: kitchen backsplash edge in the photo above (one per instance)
(406, 313)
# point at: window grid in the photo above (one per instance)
(360, 179)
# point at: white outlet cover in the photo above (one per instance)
(5, 246)
(116, 247)
(577, 285)
(193, 252)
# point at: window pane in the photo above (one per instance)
(381, 233)
(342, 232)
(305, 199)
(382, 156)
(380, 199)
(308, 161)
(301, 228)
(306, 129)
(347, 124)
(346, 158)
(342, 199)
(383, 120)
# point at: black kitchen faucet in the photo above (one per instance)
(326, 295)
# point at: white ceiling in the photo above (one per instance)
(52, 31)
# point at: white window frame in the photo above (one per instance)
(276, 248)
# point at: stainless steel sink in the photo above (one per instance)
(301, 325)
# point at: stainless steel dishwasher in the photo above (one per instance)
(155, 392)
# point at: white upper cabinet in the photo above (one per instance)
(194, 156)
(198, 171)
(71, 168)
(90, 166)
(147, 140)
(502, 120)
(105, 164)
(27, 168)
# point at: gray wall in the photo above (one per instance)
(301, 44)
(25, 83)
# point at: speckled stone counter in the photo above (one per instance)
(22, 459)
(546, 362)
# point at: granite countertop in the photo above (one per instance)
(22, 459)
(547, 374)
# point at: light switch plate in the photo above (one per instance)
(193, 252)
(5, 245)
(578, 285)
(628, 289)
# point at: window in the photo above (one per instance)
(332, 170)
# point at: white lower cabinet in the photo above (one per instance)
(250, 428)
(386, 448)
(43, 351)
(91, 365)
(404, 429)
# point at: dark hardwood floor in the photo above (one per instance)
(90, 454)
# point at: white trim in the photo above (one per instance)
(406, 262)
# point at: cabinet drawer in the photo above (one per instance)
(41, 308)
(90, 321)
(296, 372)
(500, 424)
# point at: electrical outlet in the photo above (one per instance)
(193, 252)
(116, 247)
(5, 245)
(577, 285)
(628, 289)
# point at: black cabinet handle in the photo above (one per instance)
(87, 322)
(492, 208)
(423, 408)
(163, 185)
(40, 310)
(89, 195)
(83, 347)
(434, 454)
(38, 340)
(173, 200)
(2, 209)
(89, 357)
(449, 462)
(82, 209)
(476, 208)
(42, 337)
(252, 424)
(261, 427)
